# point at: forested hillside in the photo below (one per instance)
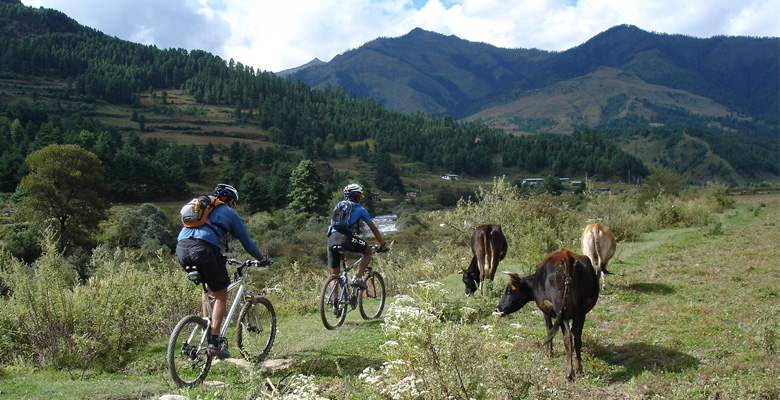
(625, 81)
(81, 69)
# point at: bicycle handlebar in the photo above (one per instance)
(254, 263)
(380, 249)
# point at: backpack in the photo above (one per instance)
(194, 214)
(339, 217)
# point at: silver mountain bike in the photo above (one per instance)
(188, 361)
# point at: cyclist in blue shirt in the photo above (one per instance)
(202, 247)
(349, 240)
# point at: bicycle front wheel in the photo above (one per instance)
(256, 329)
(333, 306)
(188, 362)
(372, 300)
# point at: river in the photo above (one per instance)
(385, 223)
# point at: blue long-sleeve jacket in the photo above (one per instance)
(223, 218)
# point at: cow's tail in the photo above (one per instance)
(601, 268)
(562, 314)
(488, 251)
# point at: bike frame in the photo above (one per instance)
(345, 286)
(237, 299)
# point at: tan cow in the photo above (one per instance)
(598, 244)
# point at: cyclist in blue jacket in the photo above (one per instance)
(202, 247)
(349, 240)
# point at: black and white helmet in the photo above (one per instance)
(224, 191)
(353, 191)
(353, 188)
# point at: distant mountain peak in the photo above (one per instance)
(313, 63)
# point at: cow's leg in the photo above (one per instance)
(568, 343)
(603, 279)
(576, 331)
(548, 322)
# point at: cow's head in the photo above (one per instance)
(518, 292)
(470, 279)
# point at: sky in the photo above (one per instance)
(274, 35)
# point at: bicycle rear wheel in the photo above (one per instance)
(372, 300)
(256, 329)
(188, 362)
(333, 306)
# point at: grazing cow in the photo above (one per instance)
(598, 244)
(565, 287)
(488, 245)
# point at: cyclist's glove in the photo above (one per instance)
(268, 262)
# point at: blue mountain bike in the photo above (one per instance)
(338, 297)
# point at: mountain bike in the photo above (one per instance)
(188, 361)
(338, 297)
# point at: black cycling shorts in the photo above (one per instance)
(209, 260)
(345, 240)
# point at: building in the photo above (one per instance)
(449, 177)
(532, 181)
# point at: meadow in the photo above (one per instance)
(692, 311)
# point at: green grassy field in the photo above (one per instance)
(685, 316)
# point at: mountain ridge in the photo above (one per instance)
(444, 75)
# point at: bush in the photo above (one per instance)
(534, 226)
(52, 321)
(429, 358)
(619, 212)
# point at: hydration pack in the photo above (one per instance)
(339, 218)
(194, 214)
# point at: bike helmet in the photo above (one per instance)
(353, 190)
(226, 192)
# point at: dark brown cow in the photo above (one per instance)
(565, 287)
(488, 246)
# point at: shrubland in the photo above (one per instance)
(435, 343)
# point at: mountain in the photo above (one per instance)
(141, 109)
(621, 73)
(424, 71)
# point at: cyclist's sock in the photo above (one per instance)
(214, 339)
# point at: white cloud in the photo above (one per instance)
(274, 35)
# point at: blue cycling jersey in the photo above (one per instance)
(223, 220)
(358, 213)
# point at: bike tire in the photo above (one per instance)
(189, 364)
(372, 300)
(256, 329)
(333, 306)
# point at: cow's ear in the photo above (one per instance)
(461, 271)
(514, 280)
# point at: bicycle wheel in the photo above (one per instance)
(333, 306)
(256, 329)
(187, 359)
(372, 301)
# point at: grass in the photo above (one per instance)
(684, 316)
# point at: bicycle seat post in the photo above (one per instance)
(207, 300)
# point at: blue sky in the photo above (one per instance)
(275, 35)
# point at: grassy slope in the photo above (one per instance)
(684, 316)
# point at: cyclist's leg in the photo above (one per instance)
(212, 266)
(218, 312)
(334, 258)
(365, 258)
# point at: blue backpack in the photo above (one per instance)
(339, 218)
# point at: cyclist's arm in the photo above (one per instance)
(238, 229)
(377, 234)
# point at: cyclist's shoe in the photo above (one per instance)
(218, 350)
(359, 283)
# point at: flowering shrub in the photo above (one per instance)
(432, 358)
